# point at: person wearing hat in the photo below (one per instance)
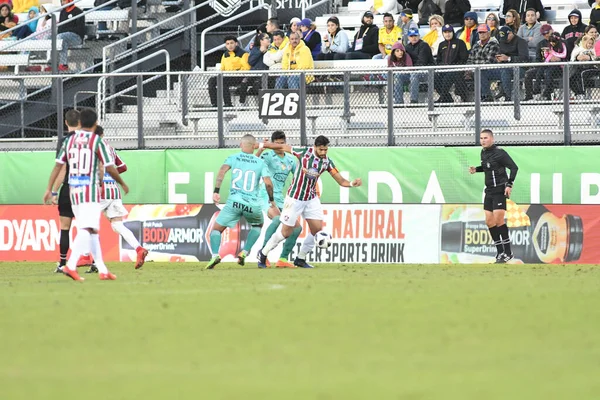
(335, 40)
(513, 49)
(484, 52)
(294, 26)
(420, 54)
(405, 22)
(388, 35)
(530, 31)
(310, 36)
(365, 44)
(451, 51)
(573, 31)
(468, 33)
(537, 73)
(455, 11)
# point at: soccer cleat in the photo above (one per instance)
(242, 258)
(108, 276)
(72, 274)
(298, 262)
(58, 269)
(284, 264)
(141, 257)
(93, 269)
(213, 261)
(507, 257)
(500, 258)
(85, 260)
(262, 260)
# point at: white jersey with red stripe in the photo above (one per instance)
(112, 190)
(84, 152)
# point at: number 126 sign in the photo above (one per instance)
(279, 103)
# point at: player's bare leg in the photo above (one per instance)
(215, 245)
(314, 226)
(118, 226)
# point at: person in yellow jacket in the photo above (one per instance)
(296, 56)
(234, 59)
(23, 6)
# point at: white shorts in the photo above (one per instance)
(292, 209)
(113, 208)
(87, 215)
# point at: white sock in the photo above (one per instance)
(125, 233)
(81, 245)
(307, 246)
(97, 253)
(273, 242)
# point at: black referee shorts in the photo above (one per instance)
(494, 201)
(64, 203)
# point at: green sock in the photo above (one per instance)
(215, 242)
(252, 238)
(271, 229)
(289, 243)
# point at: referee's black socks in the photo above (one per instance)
(64, 246)
(503, 229)
(495, 232)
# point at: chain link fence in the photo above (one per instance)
(547, 104)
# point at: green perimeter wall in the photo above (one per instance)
(568, 175)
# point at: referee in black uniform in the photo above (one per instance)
(498, 186)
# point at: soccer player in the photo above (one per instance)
(498, 187)
(281, 165)
(302, 199)
(244, 196)
(112, 204)
(84, 151)
(61, 198)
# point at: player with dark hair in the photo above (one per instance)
(302, 199)
(498, 187)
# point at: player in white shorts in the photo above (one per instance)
(302, 199)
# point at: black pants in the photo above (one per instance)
(64, 202)
(547, 74)
(227, 82)
(443, 83)
(496, 200)
(353, 55)
(582, 77)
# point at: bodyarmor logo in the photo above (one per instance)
(225, 7)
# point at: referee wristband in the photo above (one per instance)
(217, 190)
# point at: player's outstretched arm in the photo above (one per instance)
(346, 183)
(273, 146)
(53, 175)
(112, 171)
(220, 176)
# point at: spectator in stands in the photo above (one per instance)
(262, 28)
(595, 15)
(272, 25)
(469, 33)
(592, 31)
(255, 59)
(9, 2)
(573, 31)
(492, 21)
(335, 40)
(530, 31)
(451, 51)
(537, 74)
(521, 7)
(234, 59)
(22, 6)
(310, 36)
(513, 20)
(273, 57)
(420, 54)
(294, 26)
(71, 32)
(581, 75)
(296, 57)
(512, 49)
(399, 58)
(42, 30)
(388, 35)
(365, 44)
(427, 8)
(555, 52)
(30, 25)
(484, 52)
(406, 23)
(434, 37)
(455, 12)
(382, 6)
(7, 20)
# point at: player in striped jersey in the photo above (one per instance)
(112, 204)
(302, 199)
(85, 152)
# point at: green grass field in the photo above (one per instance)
(336, 332)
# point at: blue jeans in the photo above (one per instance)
(69, 39)
(380, 57)
(287, 82)
(415, 79)
(400, 79)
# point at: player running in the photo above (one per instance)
(302, 199)
(244, 196)
(281, 165)
(85, 151)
